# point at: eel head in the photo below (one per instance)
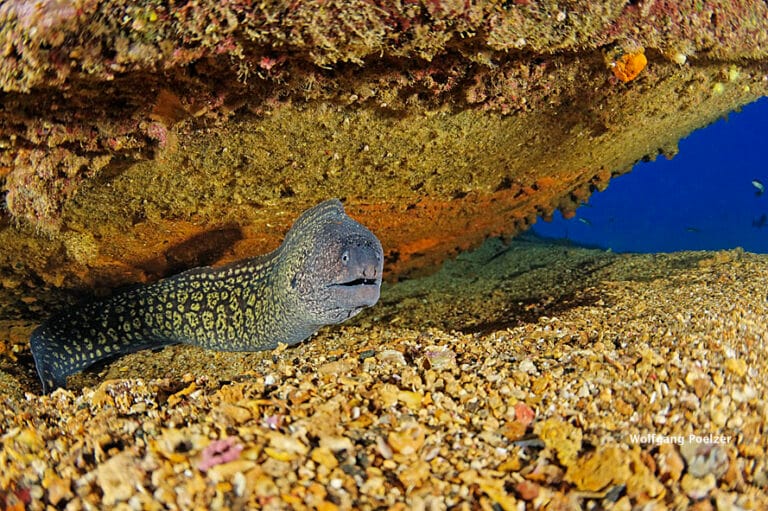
(340, 268)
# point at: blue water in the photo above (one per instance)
(703, 198)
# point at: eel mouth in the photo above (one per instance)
(356, 294)
(358, 282)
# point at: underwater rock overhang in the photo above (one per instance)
(137, 140)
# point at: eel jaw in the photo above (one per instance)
(359, 282)
(356, 294)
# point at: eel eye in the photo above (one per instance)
(345, 257)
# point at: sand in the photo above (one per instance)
(526, 375)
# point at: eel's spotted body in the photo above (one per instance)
(327, 270)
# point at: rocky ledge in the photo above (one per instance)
(141, 138)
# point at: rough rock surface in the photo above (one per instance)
(140, 138)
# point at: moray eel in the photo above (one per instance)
(327, 270)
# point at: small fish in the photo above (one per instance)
(760, 187)
(585, 221)
(760, 222)
(692, 229)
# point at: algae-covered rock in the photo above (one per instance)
(141, 138)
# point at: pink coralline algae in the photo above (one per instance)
(524, 413)
(218, 452)
(43, 179)
(157, 131)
